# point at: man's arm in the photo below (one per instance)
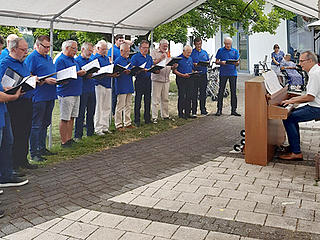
(298, 99)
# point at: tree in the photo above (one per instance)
(207, 19)
(6, 30)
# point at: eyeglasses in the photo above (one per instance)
(303, 60)
(23, 49)
(47, 47)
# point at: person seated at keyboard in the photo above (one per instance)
(294, 77)
(311, 111)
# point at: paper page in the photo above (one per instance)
(162, 63)
(105, 69)
(143, 65)
(126, 67)
(7, 81)
(90, 65)
(31, 81)
(271, 82)
(70, 72)
(10, 78)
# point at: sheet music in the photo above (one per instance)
(10, 78)
(7, 81)
(271, 82)
(90, 65)
(162, 63)
(31, 81)
(68, 73)
(105, 69)
(143, 65)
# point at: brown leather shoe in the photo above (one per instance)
(292, 156)
(121, 129)
(130, 126)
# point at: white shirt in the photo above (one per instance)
(313, 86)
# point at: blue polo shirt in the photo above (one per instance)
(124, 83)
(4, 53)
(40, 65)
(223, 55)
(197, 56)
(87, 83)
(185, 65)
(103, 61)
(72, 87)
(116, 52)
(138, 59)
(19, 67)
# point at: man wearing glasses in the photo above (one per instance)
(308, 61)
(40, 64)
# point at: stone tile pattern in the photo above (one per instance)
(278, 195)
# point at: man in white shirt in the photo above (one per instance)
(311, 111)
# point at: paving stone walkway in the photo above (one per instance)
(182, 184)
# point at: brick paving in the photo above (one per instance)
(180, 183)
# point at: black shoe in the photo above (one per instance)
(67, 144)
(193, 116)
(46, 152)
(1, 213)
(204, 113)
(236, 114)
(30, 166)
(218, 113)
(13, 182)
(137, 124)
(18, 173)
(38, 158)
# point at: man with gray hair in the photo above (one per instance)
(160, 82)
(5, 52)
(311, 111)
(69, 92)
(228, 58)
(88, 96)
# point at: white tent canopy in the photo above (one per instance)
(132, 17)
(308, 8)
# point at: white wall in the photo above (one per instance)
(261, 44)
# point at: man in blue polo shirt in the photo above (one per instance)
(5, 52)
(124, 90)
(20, 110)
(88, 96)
(184, 83)
(200, 80)
(142, 84)
(69, 92)
(228, 71)
(103, 92)
(40, 64)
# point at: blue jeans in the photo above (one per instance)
(87, 104)
(6, 140)
(291, 124)
(41, 119)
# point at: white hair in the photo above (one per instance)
(186, 47)
(67, 43)
(101, 43)
(164, 41)
(124, 45)
(86, 45)
(10, 38)
(14, 43)
(227, 39)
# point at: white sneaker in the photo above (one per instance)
(106, 131)
(1, 191)
(100, 133)
(155, 121)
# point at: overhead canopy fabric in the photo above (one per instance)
(308, 8)
(132, 17)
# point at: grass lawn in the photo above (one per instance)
(99, 143)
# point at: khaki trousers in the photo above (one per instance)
(160, 99)
(103, 109)
(123, 110)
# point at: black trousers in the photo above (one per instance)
(142, 87)
(233, 90)
(185, 91)
(21, 121)
(200, 83)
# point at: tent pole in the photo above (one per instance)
(51, 55)
(112, 79)
(151, 40)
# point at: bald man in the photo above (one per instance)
(184, 83)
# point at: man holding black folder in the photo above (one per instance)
(41, 64)
(228, 58)
(200, 60)
(68, 92)
(142, 84)
(20, 110)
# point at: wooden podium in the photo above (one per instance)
(263, 121)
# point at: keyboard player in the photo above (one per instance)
(311, 111)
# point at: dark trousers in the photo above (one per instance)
(185, 87)
(6, 141)
(114, 96)
(21, 121)
(200, 83)
(87, 105)
(142, 87)
(233, 90)
(41, 119)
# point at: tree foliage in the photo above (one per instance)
(7, 30)
(207, 19)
